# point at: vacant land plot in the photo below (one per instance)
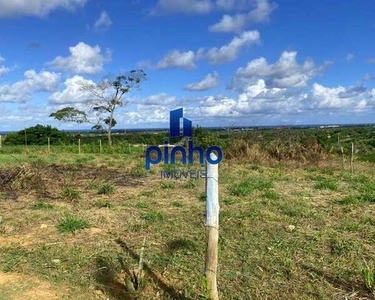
(71, 227)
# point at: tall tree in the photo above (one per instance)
(104, 98)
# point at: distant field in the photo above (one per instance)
(71, 225)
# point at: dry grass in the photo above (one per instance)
(284, 234)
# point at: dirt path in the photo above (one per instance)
(26, 287)
(17, 287)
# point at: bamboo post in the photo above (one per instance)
(49, 146)
(79, 146)
(212, 227)
(352, 159)
(100, 146)
(1, 142)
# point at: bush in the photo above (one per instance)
(37, 135)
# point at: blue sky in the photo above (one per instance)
(227, 62)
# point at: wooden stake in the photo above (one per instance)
(352, 159)
(79, 146)
(343, 158)
(49, 146)
(100, 146)
(1, 142)
(212, 227)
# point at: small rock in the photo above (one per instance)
(43, 226)
(98, 292)
(291, 228)
(56, 261)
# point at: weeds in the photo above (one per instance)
(246, 187)
(72, 224)
(152, 217)
(106, 189)
(71, 194)
(271, 195)
(142, 205)
(326, 184)
(368, 197)
(368, 277)
(168, 185)
(41, 205)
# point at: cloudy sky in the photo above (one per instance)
(227, 62)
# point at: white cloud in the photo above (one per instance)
(209, 82)
(22, 91)
(159, 99)
(258, 99)
(183, 6)
(286, 72)
(236, 23)
(340, 98)
(73, 92)
(172, 60)
(350, 57)
(83, 59)
(37, 8)
(3, 70)
(201, 7)
(229, 52)
(104, 22)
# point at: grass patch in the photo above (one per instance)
(41, 205)
(168, 185)
(190, 184)
(246, 187)
(72, 224)
(341, 246)
(183, 244)
(368, 197)
(152, 217)
(142, 205)
(12, 258)
(71, 194)
(103, 204)
(326, 185)
(368, 276)
(106, 189)
(271, 195)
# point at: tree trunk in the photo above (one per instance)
(110, 125)
(109, 137)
